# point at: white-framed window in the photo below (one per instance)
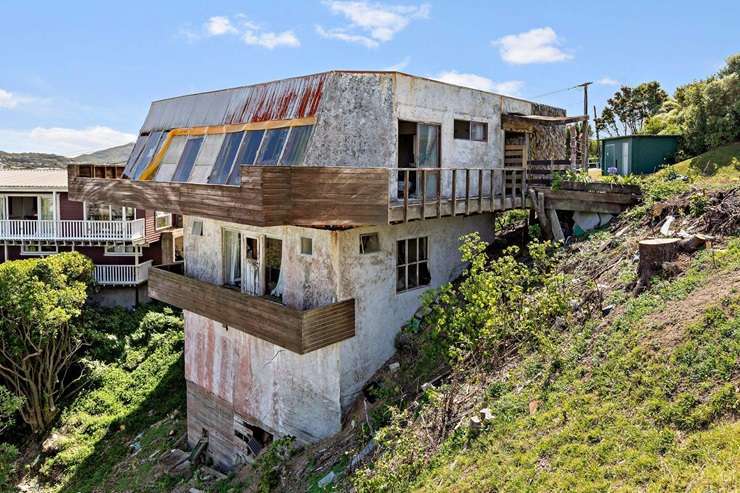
(121, 249)
(197, 229)
(471, 130)
(37, 248)
(106, 212)
(162, 220)
(369, 243)
(412, 263)
(232, 258)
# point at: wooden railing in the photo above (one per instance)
(540, 171)
(300, 331)
(30, 229)
(422, 193)
(122, 275)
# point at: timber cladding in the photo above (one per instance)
(300, 331)
(267, 196)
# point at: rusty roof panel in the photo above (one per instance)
(279, 100)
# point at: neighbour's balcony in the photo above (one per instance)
(300, 331)
(316, 196)
(74, 230)
(122, 275)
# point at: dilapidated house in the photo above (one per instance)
(317, 210)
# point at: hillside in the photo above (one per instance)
(718, 166)
(25, 160)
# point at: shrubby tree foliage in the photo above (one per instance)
(41, 331)
(706, 112)
(627, 111)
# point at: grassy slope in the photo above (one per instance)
(718, 166)
(636, 405)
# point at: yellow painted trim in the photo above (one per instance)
(152, 168)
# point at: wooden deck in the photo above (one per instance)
(300, 331)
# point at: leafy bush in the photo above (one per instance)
(8, 456)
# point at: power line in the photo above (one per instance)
(555, 92)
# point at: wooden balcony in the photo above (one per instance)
(316, 196)
(300, 331)
(72, 230)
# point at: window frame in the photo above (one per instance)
(469, 124)
(310, 246)
(240, 260)
(39, 253)
(362, 251)
(416, 263)
(157, 215)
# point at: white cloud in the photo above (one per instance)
(64, 141)
(271, 40)
(539, 45)
(397, 67)
(219, 25)
(10, 100)
(251, 32)
(607, 81)
(509, 88)
(371, 23)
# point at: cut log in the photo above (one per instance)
(653, 253)
(694, 242)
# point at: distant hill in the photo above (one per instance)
(25, 160)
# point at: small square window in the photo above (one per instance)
(197, 228)
(369, 243)
(462, 129)
(306, 246)
(479, 131)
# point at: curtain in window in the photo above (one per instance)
(46, 211)
(232, 258)
(98, 212)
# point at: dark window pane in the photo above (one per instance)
(252, 248)
(424, 276)
(401, 247)
(462, 129)
(295, 148)
(411, 254)
(412, 281)
(150, 149)
(225, 160)
(400, 278)
(273, 264)
(423, 248)
(249, 147)
(306, 246)
(369, 243)
(272, 146)
(185, 165)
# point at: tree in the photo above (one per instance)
(627, 111)
(41, 332)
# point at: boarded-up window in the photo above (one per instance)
(187, 159)
(226, 158)
(272, 146)
(412, 264)
(295, 148)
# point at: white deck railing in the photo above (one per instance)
(122, 275)
(24, 229)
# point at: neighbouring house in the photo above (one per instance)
(316, 212)
(37, 218)
(637, 154)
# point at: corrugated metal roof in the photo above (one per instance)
(33, 179)
(279, 100)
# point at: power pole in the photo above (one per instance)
(584, 149)
(598, 142)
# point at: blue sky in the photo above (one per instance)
(79, 76)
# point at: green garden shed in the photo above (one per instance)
(637, 154)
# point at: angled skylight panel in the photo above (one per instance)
(272, 146)
(250, 145)
(150, 149)
(226, 158)
(169, 162)
(206, 158)
(187, 159)
(135, 153)
(295, 147)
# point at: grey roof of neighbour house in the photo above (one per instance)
(33, 179)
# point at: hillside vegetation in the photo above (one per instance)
(719, 166)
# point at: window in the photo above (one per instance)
(369, 243)
(251, 252)
(250, 145)
(232, 258)
(162, 220)
(226, 158)
(2, 207)
(171, 158)
(207, 155)
(273, 267)
(412, 264)
(306, 246)
(272, 146)
(197, 228)
(97, 212)
(469, 130)
(295, 148)
(147, 153)
(187, 159)
(121, 249)
(38, 249)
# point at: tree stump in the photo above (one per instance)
(653, 253)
